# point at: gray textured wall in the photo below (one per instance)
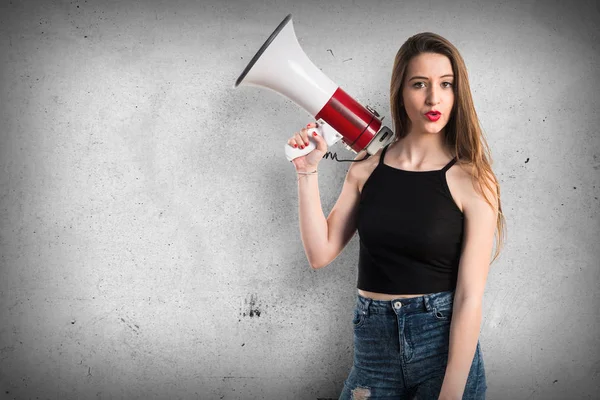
(149, 240)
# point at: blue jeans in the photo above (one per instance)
(401, 350)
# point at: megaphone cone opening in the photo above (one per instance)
(262, 49)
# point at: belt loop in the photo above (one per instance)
(367, 304)
(427, 302)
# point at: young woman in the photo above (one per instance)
(426, 208)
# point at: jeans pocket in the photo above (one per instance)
(359, 317)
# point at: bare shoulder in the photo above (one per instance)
(360, 171)
(461, 179)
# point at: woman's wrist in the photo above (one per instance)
(307, 171)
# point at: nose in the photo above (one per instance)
(433, 96)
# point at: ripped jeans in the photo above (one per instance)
(401, 350)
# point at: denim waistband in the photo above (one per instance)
(440, 300)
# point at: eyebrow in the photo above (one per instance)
(422, 77)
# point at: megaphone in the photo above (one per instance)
(282, 66)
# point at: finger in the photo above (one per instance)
(305, 136)
(317, 136)
(321, 143)
(299, 141)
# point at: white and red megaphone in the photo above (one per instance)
(282, 66)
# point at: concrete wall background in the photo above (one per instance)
(149, 240)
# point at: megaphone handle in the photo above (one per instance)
(330, 135)
(293, 152)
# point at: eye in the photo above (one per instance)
(449, 84)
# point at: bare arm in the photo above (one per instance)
(325, 238)
(480, 223)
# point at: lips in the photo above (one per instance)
(433, 115)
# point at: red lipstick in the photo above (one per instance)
(433, 115)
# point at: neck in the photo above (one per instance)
(418, 148)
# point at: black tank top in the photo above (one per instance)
(410, 231)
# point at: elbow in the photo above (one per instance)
(318, 265)
(319, 260)
(315, 266)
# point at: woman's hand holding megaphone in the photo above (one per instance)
(309, 139)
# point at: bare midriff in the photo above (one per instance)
(386, 296)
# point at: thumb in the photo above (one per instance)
(321, 143)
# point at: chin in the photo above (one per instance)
(433, 129)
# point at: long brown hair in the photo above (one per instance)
(463, 131)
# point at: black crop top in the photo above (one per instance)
(410, 231)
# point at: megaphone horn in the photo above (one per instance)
(282, 66)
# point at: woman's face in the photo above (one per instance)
(428, 85)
